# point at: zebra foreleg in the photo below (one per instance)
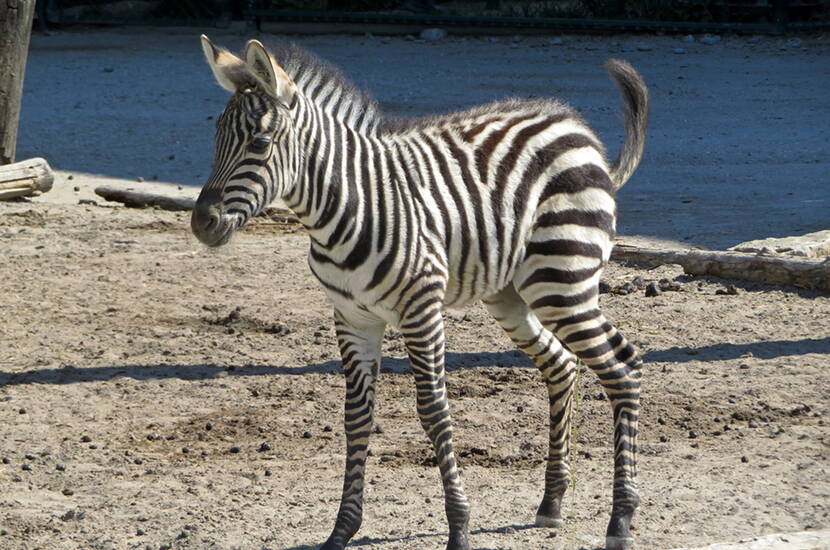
(424, 337)
(558, 370)
(360, 350)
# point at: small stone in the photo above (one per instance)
(29, 456)
(327, 428)
(744, 459)
(7, 460)
(679, 51)
(664, 439)
(520, 409)
(693, 434)
(753, 424)
(688, 38)
(138, 461)
(71, 177)
(76, 188)
(60, 467)
(555, 42)
(68, 492)
(139, 532)
(208, 426)
(22, 410)
(307, 435)
(661, 420)
(26, 468)
(185, 450)
(234, 450)
(433, 35)
(516, 39)
(171, 157)
(643, 47)
(378, 429)
(652, 290)
(86, 439)
(268, 472)
(710, 39)
(263, 447)
(744, 366)
(205, 453)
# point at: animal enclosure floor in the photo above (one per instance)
(155, 394)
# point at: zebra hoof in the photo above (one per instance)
(619, 543)
(547, 521)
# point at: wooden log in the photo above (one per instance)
(25, 178)
(138, 199)
(15, 29)
(812, 274)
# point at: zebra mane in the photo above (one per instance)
(302, 66)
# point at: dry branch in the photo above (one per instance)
(27, 177)
(138, 199)
(813, 274)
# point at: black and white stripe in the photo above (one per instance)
(511, 203)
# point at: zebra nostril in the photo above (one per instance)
(205, 219)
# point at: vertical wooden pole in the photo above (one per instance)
(15, 29)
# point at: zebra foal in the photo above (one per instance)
(511, 203)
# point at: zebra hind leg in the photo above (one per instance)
(360, 350)
(423, 334)
(566, 302)
(558, 369)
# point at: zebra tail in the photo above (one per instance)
(635, 114)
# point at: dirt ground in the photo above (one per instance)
(158, 395)
(155, 394)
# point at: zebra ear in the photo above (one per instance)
(230, 71)
(277, 83)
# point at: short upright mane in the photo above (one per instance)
(303, 66)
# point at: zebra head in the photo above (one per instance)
(256, 157)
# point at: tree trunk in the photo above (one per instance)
(812, 274)
(15, 29)
(25, 178)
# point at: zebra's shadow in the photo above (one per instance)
(370, 541)
(196, 372)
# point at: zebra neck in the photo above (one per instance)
(344, 171)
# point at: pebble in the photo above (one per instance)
(744, 459)
(268, 472)
(688, 38)
(185, 450)
(76, 189)
(138, 461)
(68, 492)
(234, 450)
(26, 467)
(520, 409)
(86, 439)
(208, 426)
(643, 47)
(555, 42)
(60, 467)
(744, 366)
(70, 177)
(307, 435)
(693, 434)
(679, 51)
(139, 532)
(7, 460)
(29, 456)
(661, 420)
(731, 290)
(327, 428)
(710, 39)
(754, 39)
(664, 439)
(21, 410)
(264, 446)
(205, 453)
(652, 290)
(433, 35)
(516, 39)
(139, 179)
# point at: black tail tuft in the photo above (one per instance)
(635, 113)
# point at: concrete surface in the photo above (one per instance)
(737, 149)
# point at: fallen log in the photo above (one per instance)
(138, 199)
(26, 178)
(812, 274)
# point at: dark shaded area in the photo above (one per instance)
(72, 375)
(720, 352)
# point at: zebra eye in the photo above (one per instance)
(260, 144)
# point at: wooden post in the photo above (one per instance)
(15, 29)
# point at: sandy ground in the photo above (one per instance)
(154, 394)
